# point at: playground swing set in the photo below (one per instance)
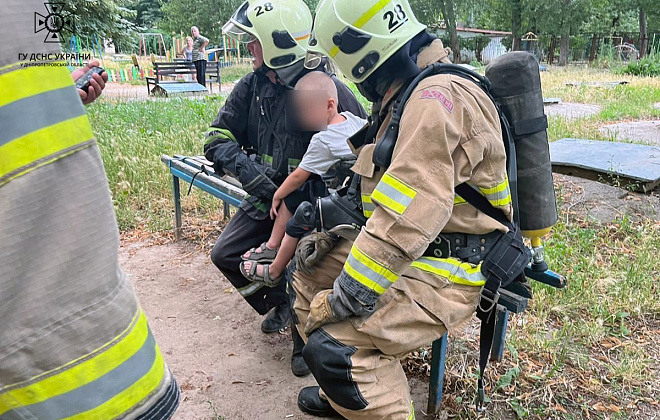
(151, 47)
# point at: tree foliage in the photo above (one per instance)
(111, 19)
(121, 19)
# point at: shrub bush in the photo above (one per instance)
(647, 66)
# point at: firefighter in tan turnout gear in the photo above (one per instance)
(371, 301)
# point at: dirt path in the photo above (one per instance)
(128, 92)
(211, 339)
(604, 203)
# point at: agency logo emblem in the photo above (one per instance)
(54, 22)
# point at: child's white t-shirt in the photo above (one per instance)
(328, 147)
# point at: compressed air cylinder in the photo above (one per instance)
(516, 85)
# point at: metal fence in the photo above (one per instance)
(584, 48)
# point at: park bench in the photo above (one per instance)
(198, 172)
(158, 85)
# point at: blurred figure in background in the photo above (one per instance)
(199, 54)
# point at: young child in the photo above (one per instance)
(316, 102)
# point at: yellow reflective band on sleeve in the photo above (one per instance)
(79, 372)
(362, 20)
(458, 200)
(30, 81)
(368, 272)
(498, 196)
(40, 147)
(368, 206)
(453, 270)
(393, 194)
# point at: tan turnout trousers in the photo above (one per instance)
(416, 310)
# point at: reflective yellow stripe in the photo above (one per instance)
(42, 144)
(369, 272)
(130, 396)
(375, 266)
(30, 81)
(458, 200)
(453, 270)
(504, 185)
(412, 411)
(498, 196)
(367, 205)
(81, 371)
(393, 194)
(400, 186)
(364, 279)
(366, 17)
(362, 20)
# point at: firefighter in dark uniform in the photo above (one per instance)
(251, 141)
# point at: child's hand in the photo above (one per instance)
(276, 205)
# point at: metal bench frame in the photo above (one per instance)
(199, 172)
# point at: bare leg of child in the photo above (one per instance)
(284, 255)
(277, 234)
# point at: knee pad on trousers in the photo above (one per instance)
(330, 362)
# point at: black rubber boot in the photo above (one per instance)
(278, 318)
(310, 402)
(298, 364)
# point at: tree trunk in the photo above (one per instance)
(594, 47)
(551, 50)
(564, 45)
(450, 22)
(643, 33)
(516, 18)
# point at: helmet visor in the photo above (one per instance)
(233, 31)
(313, 60)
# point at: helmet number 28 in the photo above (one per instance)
(267, 7)
(395, 18)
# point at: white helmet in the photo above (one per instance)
(359, 36)
(282, 27)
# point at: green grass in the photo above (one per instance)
(132, 137)
(591, 349)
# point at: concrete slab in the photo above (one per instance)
(647, 132)
(597, 84)
(571, 111)
(635, 165)
(551, 101)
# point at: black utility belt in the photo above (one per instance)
(464, 246)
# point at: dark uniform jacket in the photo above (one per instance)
(251, 140)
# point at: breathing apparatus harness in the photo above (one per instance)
(507, 258)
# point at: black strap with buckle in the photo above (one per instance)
(464, 246)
